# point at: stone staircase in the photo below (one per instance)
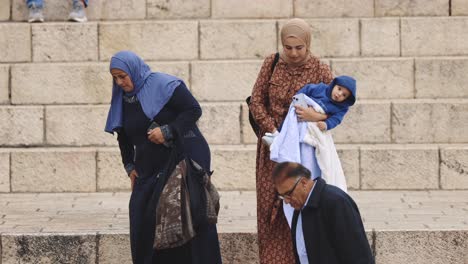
(404, 146)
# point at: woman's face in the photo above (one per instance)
(295, 49)
(122, 79)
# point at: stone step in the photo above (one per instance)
(402, 226)
(233, 80)
(368, 122)
(221, 9)
(230, 39)
(366, 167)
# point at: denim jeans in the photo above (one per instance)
(40, 3)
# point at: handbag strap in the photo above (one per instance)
(273, 65)
(275, 61)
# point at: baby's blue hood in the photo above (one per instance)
(345, 81)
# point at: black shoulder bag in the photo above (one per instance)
(253, 122)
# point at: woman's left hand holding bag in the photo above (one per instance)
(156, 136)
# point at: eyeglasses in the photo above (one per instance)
(288, 193)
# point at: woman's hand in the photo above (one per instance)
(133, 175)
(156, 136)
(309, 114)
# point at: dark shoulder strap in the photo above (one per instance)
(274, 62)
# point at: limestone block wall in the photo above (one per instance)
(409, 129)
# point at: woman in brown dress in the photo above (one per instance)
(271, 97)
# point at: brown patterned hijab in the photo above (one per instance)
(299, 29)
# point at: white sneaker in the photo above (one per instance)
(35, 15)
(78, 13)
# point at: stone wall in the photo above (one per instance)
(407, 131)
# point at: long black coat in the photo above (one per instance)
(333, 229)
(180, 113)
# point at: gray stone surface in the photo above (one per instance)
(459, 8)
(399, 167)
(454, 167)
(53, 170)
(69, 83)
(379, 78)
(73, 83)
(332, 37)
(65, 42)
(411, 8)
(334, 8)
(365, 122)
(21, 125)
(5, 6)
(172, 9)
(4, 84)
(111, 175)
(441, 77)
(224, 80)
(239, 248)
(108, 212)
(227, 39)
(152, 40)
(418, 247)
(435, 121)
(114, 248)
(380, 37)
(252, 8)
(220, 123)
(15, 42)
(58, 10)
(234, 167)
(180, 69)
(70, 125)
(53, 248)
(349, 157)
(443, 36)
(4, 171)
(116, 10)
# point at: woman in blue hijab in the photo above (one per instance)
(148, 111)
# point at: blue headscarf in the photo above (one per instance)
(153, 89)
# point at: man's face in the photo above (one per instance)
(293, 191)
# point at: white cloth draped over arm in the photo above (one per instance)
(325, 151)
(287, 145)
(305, 143)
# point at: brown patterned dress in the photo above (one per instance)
(270, 103)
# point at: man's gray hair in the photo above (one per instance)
(290, 170)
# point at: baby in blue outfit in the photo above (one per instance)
(334, 98)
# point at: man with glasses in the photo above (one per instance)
(326, 225)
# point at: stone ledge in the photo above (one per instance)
(366, 166)
(162, 40)
(389, 247)
(58, 10)
(428, 36)
(413, 121)
(96, 226)
(72, 83)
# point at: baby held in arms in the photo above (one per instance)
(334, 98)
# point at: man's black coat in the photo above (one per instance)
(333, 229)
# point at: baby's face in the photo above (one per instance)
(340, 93)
